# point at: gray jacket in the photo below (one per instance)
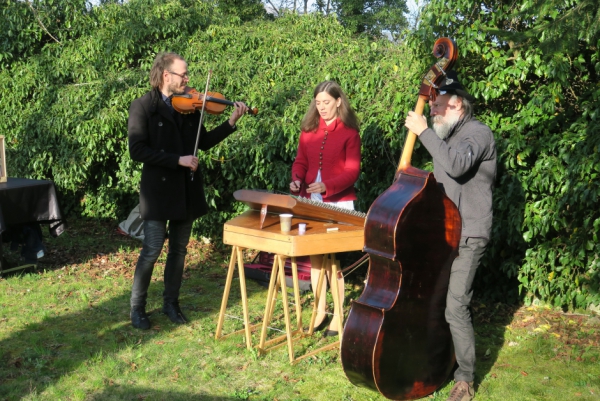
(465, 165)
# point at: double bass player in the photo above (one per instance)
(464, 158)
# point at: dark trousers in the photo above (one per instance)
(154, 239)
(458, 300)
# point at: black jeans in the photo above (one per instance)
(154, 239)
(458, 314)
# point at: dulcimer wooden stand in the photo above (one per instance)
(328, 231)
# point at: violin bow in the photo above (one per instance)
(201, 120)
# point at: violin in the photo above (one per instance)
(192, 100)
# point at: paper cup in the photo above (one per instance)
(301, 228)
(285, 220)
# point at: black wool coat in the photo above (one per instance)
(157, 138)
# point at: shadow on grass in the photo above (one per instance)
(490, 324)
(84, 240)
(119, 393)
(40, 355)
(36, 357)
(81, 243)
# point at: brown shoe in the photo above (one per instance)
(462, 391)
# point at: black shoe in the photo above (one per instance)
(174, 313)
(324, 323)
(330, 333)
(139, 318)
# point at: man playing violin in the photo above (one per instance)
(171, 188)
(464, 163)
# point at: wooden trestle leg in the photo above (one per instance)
(236, 256)
(329, 260)
(278, 281)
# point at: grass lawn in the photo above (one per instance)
(65, 335)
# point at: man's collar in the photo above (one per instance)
(456, 127)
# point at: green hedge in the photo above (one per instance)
(64, 113)
(541, 99)
(73, 99)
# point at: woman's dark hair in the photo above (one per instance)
(310, 122)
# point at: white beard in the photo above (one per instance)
(442, 126)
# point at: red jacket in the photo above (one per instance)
(340, 160)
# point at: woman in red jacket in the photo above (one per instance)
(326, 167)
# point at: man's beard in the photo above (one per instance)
(442, 126)
(176, 89)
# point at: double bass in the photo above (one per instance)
(396, 339)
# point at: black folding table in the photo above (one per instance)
(28, 201)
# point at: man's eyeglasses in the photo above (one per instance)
(182, 76)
